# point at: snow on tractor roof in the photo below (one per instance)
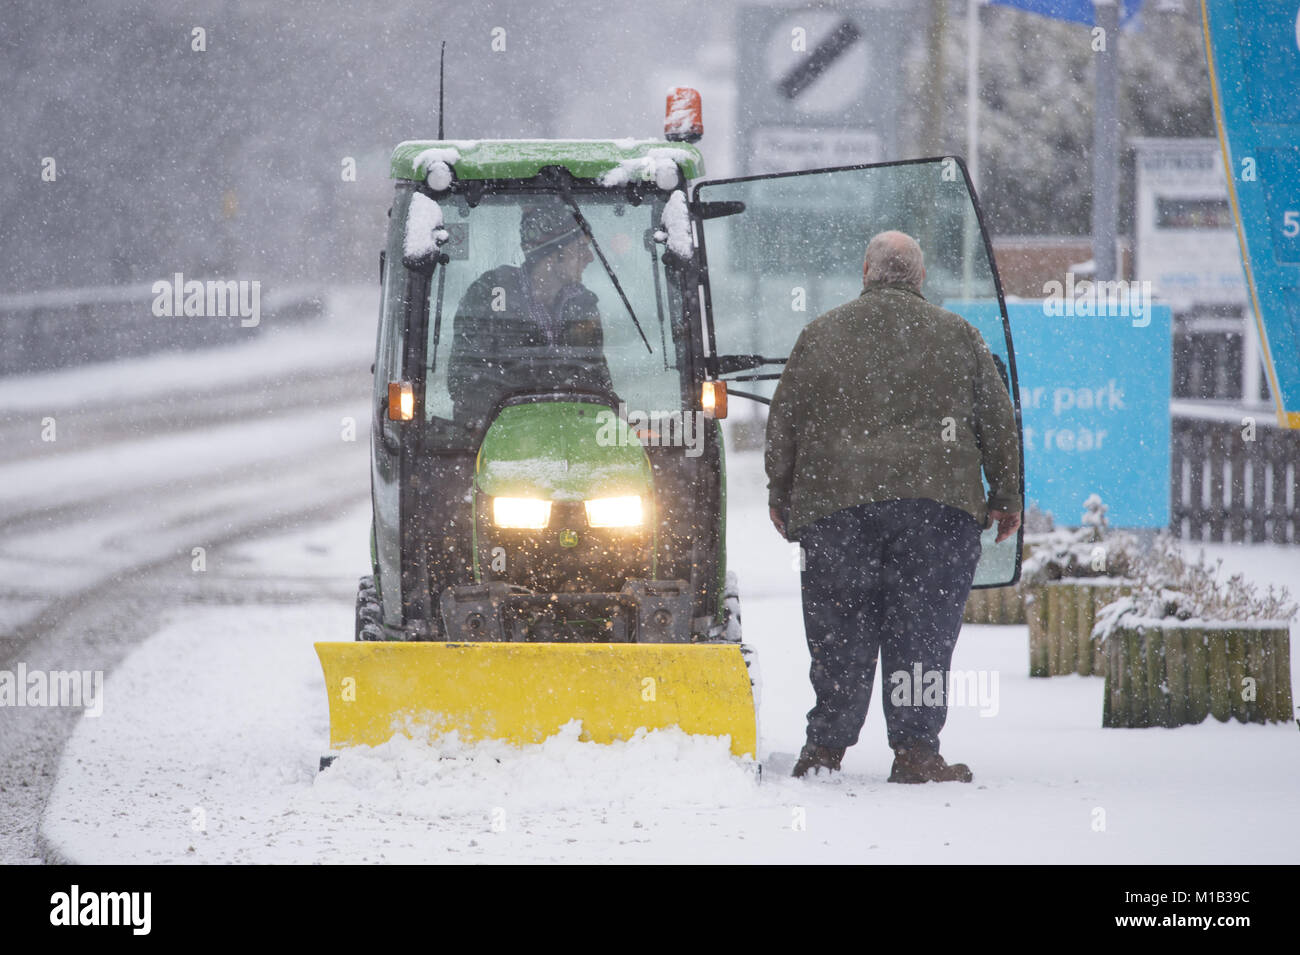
(626, 159)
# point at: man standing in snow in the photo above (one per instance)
(535, 327)
(886, 412)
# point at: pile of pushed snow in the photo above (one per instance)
(211, 732)
(436, 775)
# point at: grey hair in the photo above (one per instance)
(895, 257)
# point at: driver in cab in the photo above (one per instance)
(534, 327)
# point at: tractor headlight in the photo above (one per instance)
(615, 512)
(520, 512)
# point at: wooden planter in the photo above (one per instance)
(1060, 615)
(998, 605)
(1167, 673)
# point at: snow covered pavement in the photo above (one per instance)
(208, 745)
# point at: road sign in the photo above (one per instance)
(795, 147)
(816, 60)
(821, 87)
(1185, 236)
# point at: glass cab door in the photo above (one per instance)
(781, 249)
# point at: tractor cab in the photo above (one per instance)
(553, 474)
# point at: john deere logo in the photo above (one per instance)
(568, 538)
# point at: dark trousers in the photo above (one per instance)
(888, 578)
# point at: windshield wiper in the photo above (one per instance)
(648, 242)
(750, 395)
(728, 364)
(586, 230)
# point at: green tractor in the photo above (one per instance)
(555, 351)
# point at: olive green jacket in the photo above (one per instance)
(496, 352)
(888, 397)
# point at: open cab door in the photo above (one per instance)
(784, 248)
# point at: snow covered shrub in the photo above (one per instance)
(1089, 551)
(1038, 522)
(1170, 587)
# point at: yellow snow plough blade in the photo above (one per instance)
(524, 692)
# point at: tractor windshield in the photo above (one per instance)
(525, 303)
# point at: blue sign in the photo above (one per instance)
(1095, 376)
(1254, 56)
(1076, 11)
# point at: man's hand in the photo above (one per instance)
(1008, 523)
(777, 522)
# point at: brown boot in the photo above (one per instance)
(815, 758)
(926, 766)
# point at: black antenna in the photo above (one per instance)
(442, 60)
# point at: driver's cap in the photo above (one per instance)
(545, 228)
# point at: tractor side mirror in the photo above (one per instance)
(425, 235)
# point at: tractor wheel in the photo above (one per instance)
(731, 608)
(369, 613)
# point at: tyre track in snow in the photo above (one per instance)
(81, 431)
(98, 527)
(84, 427)
(93, 626)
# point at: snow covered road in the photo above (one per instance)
(207, 751)
(121, 485)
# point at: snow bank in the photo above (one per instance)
(649, 771)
